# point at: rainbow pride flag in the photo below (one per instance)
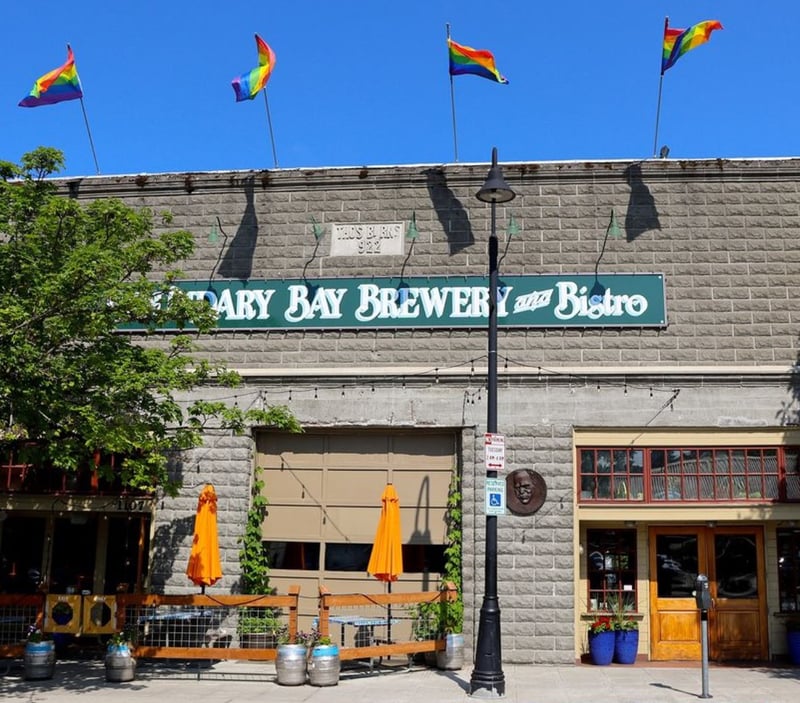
(478, 62)
(249, 84)
(678, 41)
(60, 84)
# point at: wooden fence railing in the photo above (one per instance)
(357, 610)
(366, 626)
(18, 613)
(202, 626)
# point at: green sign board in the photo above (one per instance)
(606, 300)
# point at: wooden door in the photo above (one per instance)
(733, 560)
(737, 623)
(677, 555)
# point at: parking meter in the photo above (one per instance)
(702, 595)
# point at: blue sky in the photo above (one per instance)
(365, 82)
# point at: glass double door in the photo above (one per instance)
(733, 560)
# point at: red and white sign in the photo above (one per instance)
(495, 451)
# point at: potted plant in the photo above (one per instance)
(445, 620)
(601, 640)
(257, 628)
(793, 640)
(119, 661)
(626, 633)
(39, 658)
(425, 626)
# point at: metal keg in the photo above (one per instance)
(39, 660)
(324, 665)
(290, 664)
(452, 656)
(120, 665)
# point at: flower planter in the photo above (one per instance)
(601, 647)
(626, 646)
(324, 665)
(120, 665)
(39, 660)
(793, 645)
(290, 664)
(257, 640)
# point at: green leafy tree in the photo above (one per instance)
(71, 384)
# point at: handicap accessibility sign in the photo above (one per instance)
(495, 496)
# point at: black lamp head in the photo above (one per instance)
(495, 189)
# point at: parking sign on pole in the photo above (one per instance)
(495, 451)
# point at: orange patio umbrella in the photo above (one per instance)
(204, 567)
(386, 559)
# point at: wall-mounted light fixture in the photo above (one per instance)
(613, 229)
(512, 227)
(712, 523)
(316, 228)
(411, 229)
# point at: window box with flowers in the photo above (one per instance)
(601, 641)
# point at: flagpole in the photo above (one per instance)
(271, 135)
(660, 86)
(452, 102)
(91, 141)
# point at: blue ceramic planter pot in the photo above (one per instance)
(626, 645)
(601, 647)
(793, 645)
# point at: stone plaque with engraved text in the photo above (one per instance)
(367, 239)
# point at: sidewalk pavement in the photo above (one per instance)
(242, 682)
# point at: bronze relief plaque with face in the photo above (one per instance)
(525, 491)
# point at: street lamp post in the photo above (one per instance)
(487, 677)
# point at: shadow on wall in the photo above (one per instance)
(167, 539)
(238, 259)
(422, 529)
(790, 412)
(642, 215)
(451, 213)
